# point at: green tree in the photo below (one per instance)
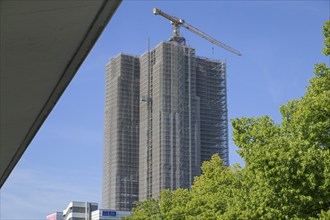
(326, 33)
(148, 209)
(210, 191)
(287, 172)
(288, 164)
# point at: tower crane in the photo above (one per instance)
(178, 22)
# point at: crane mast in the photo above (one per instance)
(178, 22)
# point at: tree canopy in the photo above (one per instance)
(287, 171)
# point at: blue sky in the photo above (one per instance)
(280, 42)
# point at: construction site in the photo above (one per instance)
(165, 113)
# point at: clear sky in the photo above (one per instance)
(280, 42)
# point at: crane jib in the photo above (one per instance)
(177, 22)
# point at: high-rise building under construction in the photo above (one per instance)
(121, 133)
(181, 104)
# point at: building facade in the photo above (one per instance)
(183, 117)
(87, 211)
(109, 214)
(79, 210)
(55, 216)
(211, 88)
(121, 135)
(169, 120)
(181, 105)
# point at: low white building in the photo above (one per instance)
(79, 210)
(108, 214)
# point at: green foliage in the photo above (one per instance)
(209, 189)
(287, 172)
(148, 209)
(326, 33)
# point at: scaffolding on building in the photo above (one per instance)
(165, 113)
(212, 90)
(120, 181)
(183, 116)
